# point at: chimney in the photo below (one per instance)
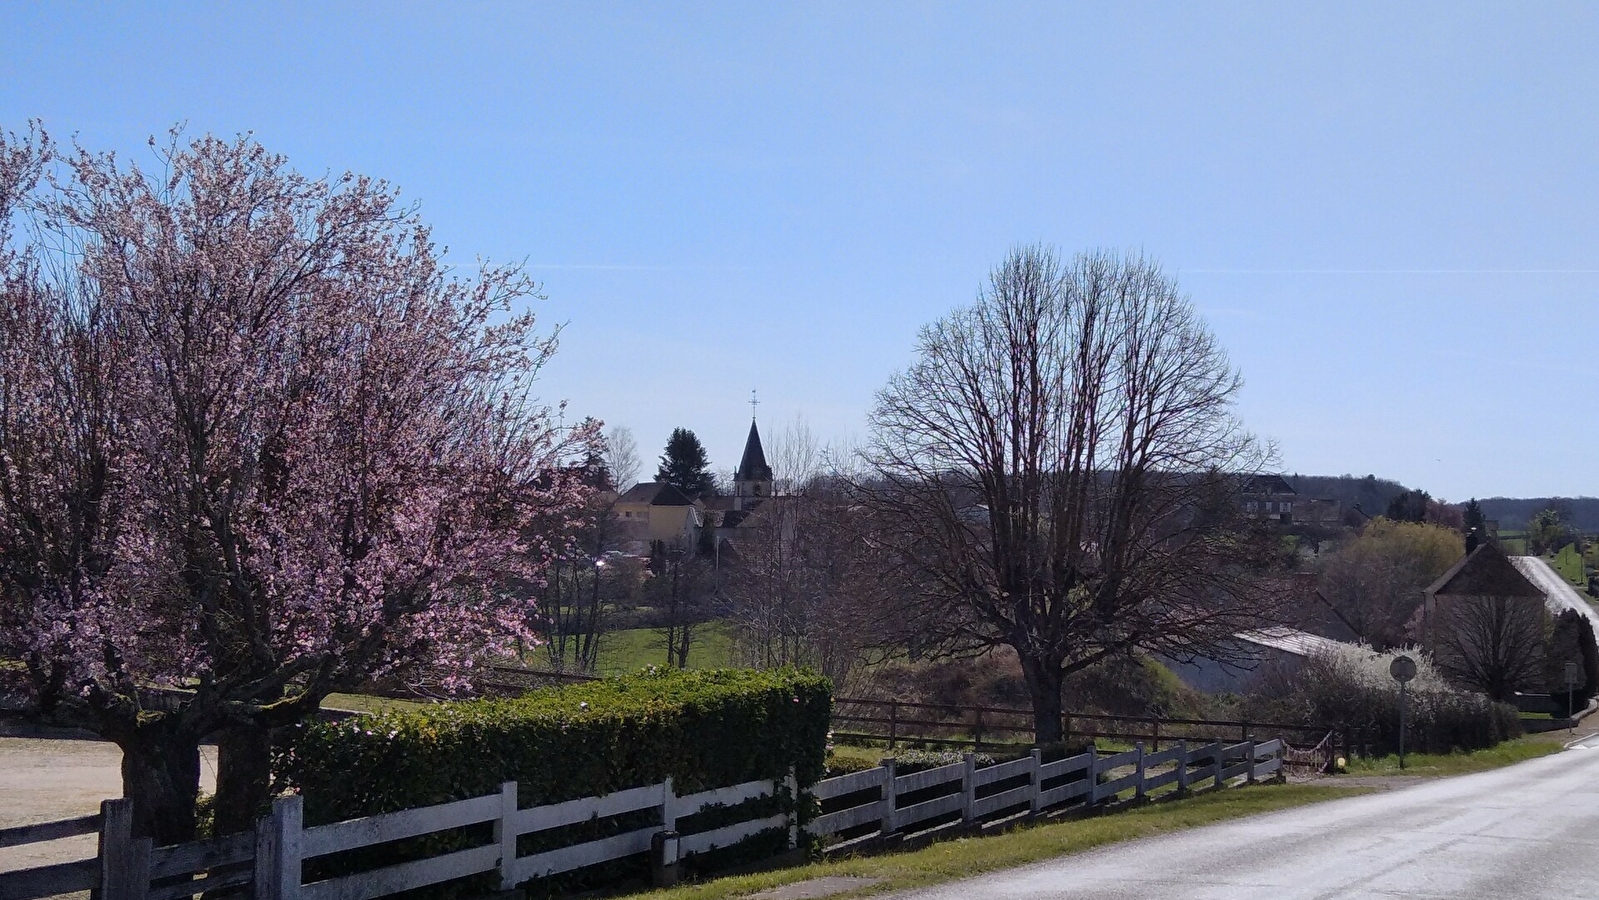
(1471, 539)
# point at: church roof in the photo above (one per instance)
(1485, 572)
(753, 466)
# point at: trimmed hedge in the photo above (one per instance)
(704, 730)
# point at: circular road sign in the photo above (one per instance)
(1403, 668)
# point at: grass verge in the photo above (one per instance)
(962, 857)
(1512, 751)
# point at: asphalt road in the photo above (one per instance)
(1528, 830)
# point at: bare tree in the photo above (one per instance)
(795, 455)
(1491, 644)
(621, 456)
(1058, 471)
(804, 589)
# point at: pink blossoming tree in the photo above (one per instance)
(256, 445)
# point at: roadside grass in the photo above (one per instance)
(1509, 752)
(966, 856)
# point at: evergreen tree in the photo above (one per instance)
(1410, 506)
(1473, 515)
(685, 466)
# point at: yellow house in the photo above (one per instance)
(657, 511)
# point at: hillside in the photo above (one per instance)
(1581, 513)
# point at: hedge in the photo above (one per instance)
(704, 730)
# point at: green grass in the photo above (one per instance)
(962, 857)
(625, 652)
(1514, 751)
(1569, 563)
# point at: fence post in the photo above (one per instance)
(792, 783)
(1249, 775)
(264, 879)
(969, 789)
(888, 825)
(1035, 783)
(1182, 768)
(977, 728)
(893, 722)
(1093, 774)
(116, 848)
(505, 835)
(281, 879)
(668, 806)
(1221, 763)
(1138, 761)
(139, 869)
(1243, 732)
(1156, 747)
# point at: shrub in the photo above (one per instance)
(702, 729)
(1350, 690)
(908, 761)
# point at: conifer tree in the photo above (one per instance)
(685, 466)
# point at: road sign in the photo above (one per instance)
(1403, 668)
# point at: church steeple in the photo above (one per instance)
(752, 481)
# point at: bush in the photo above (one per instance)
(1350, 690)
(704, 730)
(909, 761)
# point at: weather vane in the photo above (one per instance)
(753, 403)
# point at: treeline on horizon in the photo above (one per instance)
(1372, 495)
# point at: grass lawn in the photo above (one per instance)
(625, 652)
(963, 857)
(1514, 751)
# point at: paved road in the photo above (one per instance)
(1526, 831)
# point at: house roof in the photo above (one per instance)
(1268, 484)
(1485, 572)
(753, 466)
(643, 492)
(669, 495)
(655, 493)
(1290, 640)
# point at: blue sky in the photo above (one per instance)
(1387, 212)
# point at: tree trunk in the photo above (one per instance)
(244, 775)
(1044, 680)
(161, 775)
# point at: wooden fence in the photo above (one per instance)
(876, 803)
(895, 722)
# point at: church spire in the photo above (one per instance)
(753, 467)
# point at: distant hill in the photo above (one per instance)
(1513, 513)
(1372, 494)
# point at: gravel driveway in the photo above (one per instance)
(55, 777)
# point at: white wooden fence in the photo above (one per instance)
(1000, 791)
(271, 859)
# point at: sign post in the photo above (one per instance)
(1403, 668)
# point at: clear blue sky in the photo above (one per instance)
(1386, 212)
